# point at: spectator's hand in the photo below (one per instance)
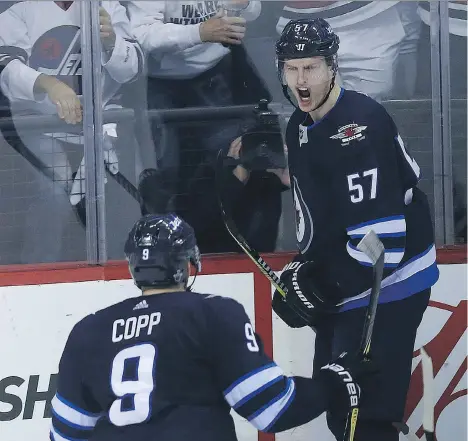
(283, 173)
(222, 29)
(106, 30)
(63, 96)
(240, 172)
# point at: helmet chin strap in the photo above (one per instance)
(189, 288)
(325, 98)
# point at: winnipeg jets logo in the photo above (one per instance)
(350, 133)
(304, 224)
(303, 139)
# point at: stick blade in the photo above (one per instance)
(371, 246)
(428, 392)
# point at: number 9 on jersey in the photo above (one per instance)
(133, 405)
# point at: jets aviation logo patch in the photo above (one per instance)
(350, 133)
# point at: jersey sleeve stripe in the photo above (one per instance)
(252, 384)
(265, 417)
(411, 162)
(57, 436)
(77, 408)
(69, 423)
(381, 235)
(386, 225)
(257, 392)
(73, 416)
(10, 53)
(140, 54)
(399, 283)
(392, 256)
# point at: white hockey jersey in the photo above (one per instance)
(51, 37)
(457, 16)
(169, 31)
(339, 14)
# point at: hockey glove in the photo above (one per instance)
(304, 303)
(341, 375)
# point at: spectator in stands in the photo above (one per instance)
(188, 45)
(252, 198)
(42, 73)
(458, 46)
(458, 91)
(407, 62)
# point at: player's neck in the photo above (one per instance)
(153, 291)
(318, 114)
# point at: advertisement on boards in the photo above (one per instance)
(36, 320)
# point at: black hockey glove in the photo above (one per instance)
(341, 375)
(304, 303)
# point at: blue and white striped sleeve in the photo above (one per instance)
(261, 396)
(252, 384)
(74, 412)
(391, 231)
(71, 422)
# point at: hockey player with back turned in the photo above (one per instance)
(170, 365)
(350, 173)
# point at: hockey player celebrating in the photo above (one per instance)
(350, 173)
(171, 365)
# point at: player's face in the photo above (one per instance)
(309, 80)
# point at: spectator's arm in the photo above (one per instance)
(234, 181)
(125, 61)
(17, 80)
(147, 21)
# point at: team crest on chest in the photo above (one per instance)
(350, 133)
(303, 139)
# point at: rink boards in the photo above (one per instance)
(37, 315)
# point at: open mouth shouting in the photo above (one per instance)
(303, 94)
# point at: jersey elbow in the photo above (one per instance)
(391, 231)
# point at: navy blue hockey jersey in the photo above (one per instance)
(350, 172)
(170, 367)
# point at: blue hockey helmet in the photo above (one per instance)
(305, 38)
(158, 250)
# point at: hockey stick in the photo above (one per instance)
(233, 231)
(405, 430)
(125, 184)
(373, 248)
(428, 395)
